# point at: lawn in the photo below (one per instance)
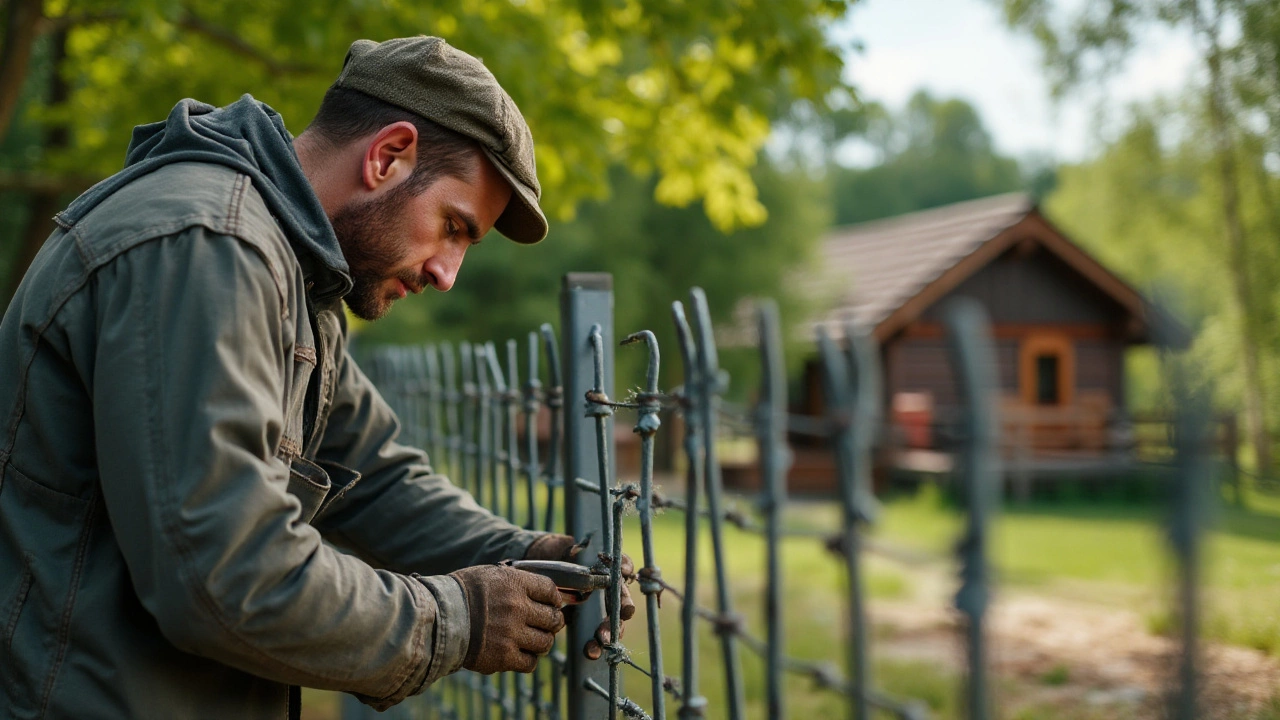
(1123, 549)
(1110, 553)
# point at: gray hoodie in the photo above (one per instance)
(181, 429)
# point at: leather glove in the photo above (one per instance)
(564, 547)
(514, 617)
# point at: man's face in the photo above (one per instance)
(398, 242)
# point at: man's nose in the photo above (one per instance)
(442, 268)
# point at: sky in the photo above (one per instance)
(961, 48)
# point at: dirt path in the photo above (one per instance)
(1098, 660)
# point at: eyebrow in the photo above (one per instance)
(473, 227)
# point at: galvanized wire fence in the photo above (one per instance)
(541, 452)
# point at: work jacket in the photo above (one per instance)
(202, 502)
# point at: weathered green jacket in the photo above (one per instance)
(181, 425)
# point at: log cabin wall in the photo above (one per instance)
(1042, 310)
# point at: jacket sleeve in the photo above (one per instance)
(187, 393)
(401, 515)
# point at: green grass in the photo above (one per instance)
(1056, 675)
(1112, 553)
(1122, 552)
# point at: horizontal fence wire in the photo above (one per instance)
(503, 439)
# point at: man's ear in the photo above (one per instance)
(390, 156)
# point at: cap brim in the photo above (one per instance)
(522, 220)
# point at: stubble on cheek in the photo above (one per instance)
(370, 235)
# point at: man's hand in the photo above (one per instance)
(564, 547)
(514, 617)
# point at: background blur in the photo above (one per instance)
(717, 143)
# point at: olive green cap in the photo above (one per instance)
(428, 77)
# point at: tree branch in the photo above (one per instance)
(21, 28)
(193, 23)
(229, 40)
(45, 183)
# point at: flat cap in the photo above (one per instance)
(428, 77)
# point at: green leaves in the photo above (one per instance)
(683, 89)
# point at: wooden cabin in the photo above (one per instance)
(1061, 323)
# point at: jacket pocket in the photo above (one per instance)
(47, 531)
(310, 484)
(341, 478)
(295, 401)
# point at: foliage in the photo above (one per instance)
(648, 114)
(1236, 113)
(933, 152)
(1149, 208)
(683, 89)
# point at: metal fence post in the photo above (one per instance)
(969, 337)
(771, 439)
(586, 300)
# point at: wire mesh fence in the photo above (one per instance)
(528, 428)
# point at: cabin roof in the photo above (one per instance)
(885, 273)
(891, 260)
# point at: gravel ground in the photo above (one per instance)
(1090, 659)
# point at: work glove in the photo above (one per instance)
(564, 547)
(515, 616)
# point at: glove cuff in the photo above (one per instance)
(475, 606)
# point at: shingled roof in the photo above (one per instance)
(884, 274)
(882, 264)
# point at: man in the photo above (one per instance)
(182, 424)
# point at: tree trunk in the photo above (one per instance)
(1224, 148)
(43, 203)
(22, 25)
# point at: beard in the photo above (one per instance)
(371, 235)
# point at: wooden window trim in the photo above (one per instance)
(1047, 343)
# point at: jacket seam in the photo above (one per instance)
(82, 248)
(221, 225)
(64, 626)
(237, 199)
(20, 403)
(11, 623)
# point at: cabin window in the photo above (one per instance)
(1046, 376)
(1047, 380)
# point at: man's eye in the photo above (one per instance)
(450, 228)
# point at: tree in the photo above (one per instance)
(932, 153)
(1241, 76)
(683, 90)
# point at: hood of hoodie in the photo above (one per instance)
(250, 137)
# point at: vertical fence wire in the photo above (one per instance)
(840, 410)
(771, 441)
(650, 575)
(553, 479)
(709, 388)
(598, 409)
(692, 705)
